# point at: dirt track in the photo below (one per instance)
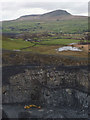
(85, 48)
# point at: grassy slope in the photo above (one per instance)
(59, 41)
(66, 26)
(12, 44)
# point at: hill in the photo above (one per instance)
(29, 17)
(55, 21)
(50, 15)
(56, 13)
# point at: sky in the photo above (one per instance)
(13, 9)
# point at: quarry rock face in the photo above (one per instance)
(56, 86)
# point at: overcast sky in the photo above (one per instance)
(12, 9)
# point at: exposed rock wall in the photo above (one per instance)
(52, 86)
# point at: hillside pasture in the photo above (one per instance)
(62, 26)
(48, 47)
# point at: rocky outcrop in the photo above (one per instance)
(52, 86)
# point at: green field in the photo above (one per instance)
(59, 42)
(14, 44)
(17, 44)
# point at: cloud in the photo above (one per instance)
(45, 1)
(13, 10)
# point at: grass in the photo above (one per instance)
(41, 54)
(52, 50)
(23, 58)
(66, 26)
(59, 42)
(46, 46)
(12, 44)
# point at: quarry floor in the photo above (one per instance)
(18, 111)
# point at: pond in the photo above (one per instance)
(66, 48)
